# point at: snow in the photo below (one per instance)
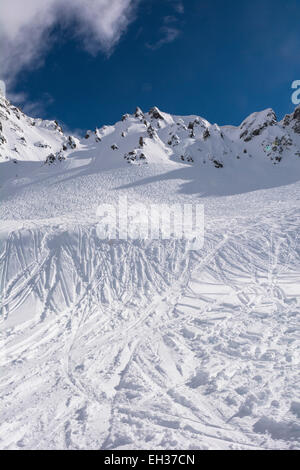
(147, 345)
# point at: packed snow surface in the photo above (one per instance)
(140, 344)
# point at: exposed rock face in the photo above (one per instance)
(95, 133)
(218, 164)
(58, 127)
(40, 144)
(72, 143)
(51, 159)
(139, 113)
(293, 120)
(256, 123)
(206, 134)
(135, 157)
(155, 113)
(2, 139)
(175, 140)
(151, 132)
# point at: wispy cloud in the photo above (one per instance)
(178, 6)
(168, 35)
(29, 107)
(25, 28)
(169, 19)
(170, 30)
(74, 131)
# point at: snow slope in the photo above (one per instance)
(145, 344)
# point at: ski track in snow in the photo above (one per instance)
(164, 349)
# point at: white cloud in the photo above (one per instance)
(25, 28)
(168, 33)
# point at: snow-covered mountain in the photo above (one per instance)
(27, 139)
(155, 137)
(145, 344)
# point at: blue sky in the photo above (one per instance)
(220, 59)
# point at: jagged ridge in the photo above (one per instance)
(142, 138)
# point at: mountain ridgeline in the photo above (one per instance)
(153, 137)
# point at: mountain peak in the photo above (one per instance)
(138, 113)
(256, 123)
(155, 113)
